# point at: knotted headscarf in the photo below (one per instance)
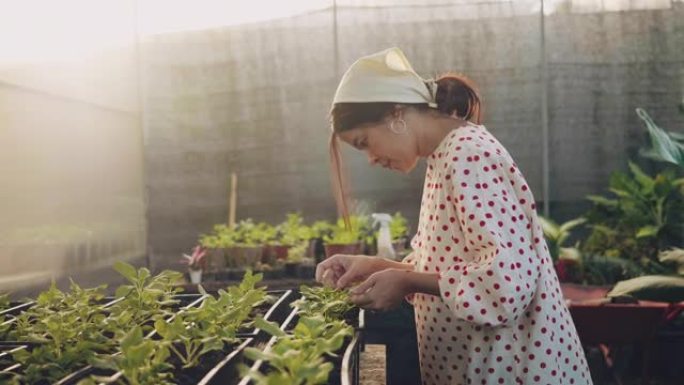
(385, 76)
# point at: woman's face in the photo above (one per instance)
(394, 151)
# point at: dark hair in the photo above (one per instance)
(455, 94)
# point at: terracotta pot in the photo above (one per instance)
(243, 256)
(216, 260)
(280, 251)
(352, 249)
(568, 270)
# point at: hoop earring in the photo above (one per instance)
(403, 130)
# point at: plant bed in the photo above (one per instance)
(276, 312)
(6, 359)
(216, 367)
(16, 308)
(88, 370)
(190, 344)
(314, 345)
(326, 352)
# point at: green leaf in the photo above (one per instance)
(647, 231)
(132, 338)
(126, 270)
(269, 327)
(122, 291)
(643, 179)
(602, 201)
(664, 146)
(570, 253)
(674, 256)
(569, 225)
(550, 228)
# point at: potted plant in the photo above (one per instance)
(347, 240)
(399, 233)
(319, 230)
(247, 249)
(288, 234)
(567, 260)
(216, 243)
(196, 263)
(295, 256)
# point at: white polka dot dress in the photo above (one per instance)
(500, 318)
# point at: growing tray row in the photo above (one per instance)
(241, 335)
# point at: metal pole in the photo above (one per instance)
(335, 41)
(546, 173)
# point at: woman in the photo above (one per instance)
(488, 305)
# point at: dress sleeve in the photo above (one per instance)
(495, 268)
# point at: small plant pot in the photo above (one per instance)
(291, 269)
(274, 253)
(568, 270)
(195, 276)
(351, 249)
(276, 273)
(306, 271)
(317, 250)
(280, 251)
(243, 256)
(216, 260)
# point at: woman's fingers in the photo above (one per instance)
(364, 286)
(362, 300)
(337, 262)
(328, 278)
(362, 296)
(321, 268)
(347, 278)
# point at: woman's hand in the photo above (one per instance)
(384, 290)
(341, 270)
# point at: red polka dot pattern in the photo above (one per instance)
(500, 318)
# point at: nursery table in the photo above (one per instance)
(274, 284)
(602, 321)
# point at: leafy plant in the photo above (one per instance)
(142, 361)
(299, 358)
(297, 254)
(674, 256)
(646, 215)
(360, 230)
(607, 270)
(293, 231)
(68, 328)
(398, 226)
(186, 340)
(321, 229)
(245, 233)
(195, 261)
(4, 301)
(145, 298)
(665, 146)
(556, 235)
(206, 328)
(319, 300)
